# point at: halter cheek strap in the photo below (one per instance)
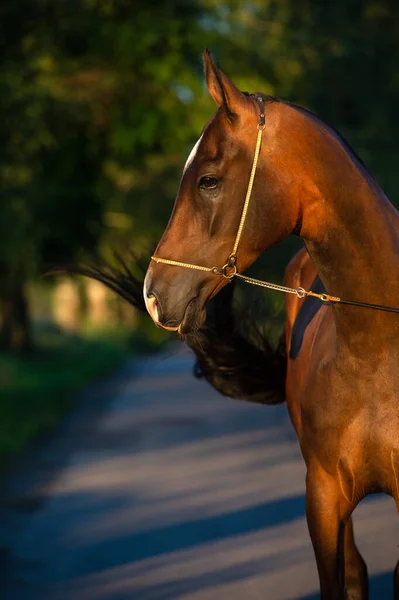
(229, 269)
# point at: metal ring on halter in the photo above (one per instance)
(300, 292)
(232, 273)
(223, 271)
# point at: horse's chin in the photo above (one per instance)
(193, 320)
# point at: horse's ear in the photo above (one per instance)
(220, 87)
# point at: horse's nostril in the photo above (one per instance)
(152, 307)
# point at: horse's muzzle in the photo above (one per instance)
(151, 303)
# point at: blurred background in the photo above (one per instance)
(101, 101)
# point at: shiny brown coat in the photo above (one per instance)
(342, 388)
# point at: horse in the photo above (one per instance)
(337, 366)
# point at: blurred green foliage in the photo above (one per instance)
(37, 390)
(101, 101)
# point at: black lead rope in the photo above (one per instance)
(368, 305)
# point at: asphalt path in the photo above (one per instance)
(157, 488)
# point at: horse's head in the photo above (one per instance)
(209, 205)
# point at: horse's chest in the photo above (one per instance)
(352, 429)
(348, 392)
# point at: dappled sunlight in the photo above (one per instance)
(165, 469)
(149, 484)
(222, 567)
(184, 497)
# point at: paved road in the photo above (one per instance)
(159, 489)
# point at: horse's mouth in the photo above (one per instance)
(152, 309)
(194, 314)
(192, 317)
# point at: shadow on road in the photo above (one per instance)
(175, 492)
(150, 543)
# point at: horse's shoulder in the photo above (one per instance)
(300, 272)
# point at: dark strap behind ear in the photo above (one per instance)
(262, 116)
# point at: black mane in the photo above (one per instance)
(231, 353)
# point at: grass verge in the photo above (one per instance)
(36, 391)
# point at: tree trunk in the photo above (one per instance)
(15, 333)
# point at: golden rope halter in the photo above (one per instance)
(229, 269)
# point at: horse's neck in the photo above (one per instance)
(355, 248)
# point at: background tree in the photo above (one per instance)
(95, 105)
(101, 101)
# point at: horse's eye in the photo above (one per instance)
(208, 183)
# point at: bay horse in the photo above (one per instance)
(342, 386)
(339, 373)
